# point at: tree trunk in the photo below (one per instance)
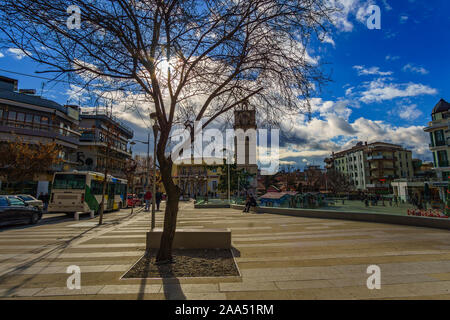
(105, 183)
(164, 255)
(102, 204)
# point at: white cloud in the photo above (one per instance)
(403, 19)
(409, 113)
(378, 91)
(415, 69)
(363, 71)
(392, 58)
(18, 54)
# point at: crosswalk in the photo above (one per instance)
(279, 257)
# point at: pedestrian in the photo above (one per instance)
(147, 198)
(251, 202)
(46, 200)
(158, 198)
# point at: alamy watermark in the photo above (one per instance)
(374, 19)
(74, 280)
(74, 20)
(237, 146)
(374, 281)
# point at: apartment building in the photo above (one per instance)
(373, 166)
(35, 119)
(103, 141)
(439, 130)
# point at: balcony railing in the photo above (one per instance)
(380, 157)
(41, 129)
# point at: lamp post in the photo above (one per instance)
(154, 120)
(228, 167)
(148, 155)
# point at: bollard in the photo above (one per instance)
(76, 216)
(92, 214)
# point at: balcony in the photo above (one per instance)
(380, 157)
(40, 130)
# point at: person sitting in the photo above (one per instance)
(251, 202)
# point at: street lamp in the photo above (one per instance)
(228, 165)
(154, 122)
(148, 155)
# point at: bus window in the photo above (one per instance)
(96, 187)
(69, 181)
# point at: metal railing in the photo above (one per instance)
(40, 127)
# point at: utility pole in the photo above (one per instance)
(148, 160)
(155, 133)
(154, 120)
(229, 191)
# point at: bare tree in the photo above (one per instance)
(190, 59)
(338, 182)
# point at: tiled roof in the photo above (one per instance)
(441, 106)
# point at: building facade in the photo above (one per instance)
(439, 130)
(34, 119)
(373, 166)
(103, 142)
(198, 180)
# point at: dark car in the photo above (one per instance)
(14, 210)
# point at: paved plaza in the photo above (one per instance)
(279, 257)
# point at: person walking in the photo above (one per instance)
(147, 198)
(45, 200)
(158, 199)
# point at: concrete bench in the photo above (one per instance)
(76, 215)
(193, 239)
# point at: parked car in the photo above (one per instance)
(32, 201)
(14, 210)
(133, 200)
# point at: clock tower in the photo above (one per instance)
(245, 119)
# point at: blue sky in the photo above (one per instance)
(385, 82)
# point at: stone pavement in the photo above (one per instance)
(279, 257)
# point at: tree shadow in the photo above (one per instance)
(171, 285)
(236, 252)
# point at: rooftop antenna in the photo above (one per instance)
(42, 88)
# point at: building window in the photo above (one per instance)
(37, 122)
(442, 158)
(29, 120)
(20, 119)
(12, 116)
(439, 135)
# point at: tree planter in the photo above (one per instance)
(193, 239)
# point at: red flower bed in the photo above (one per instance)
(427, 213)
